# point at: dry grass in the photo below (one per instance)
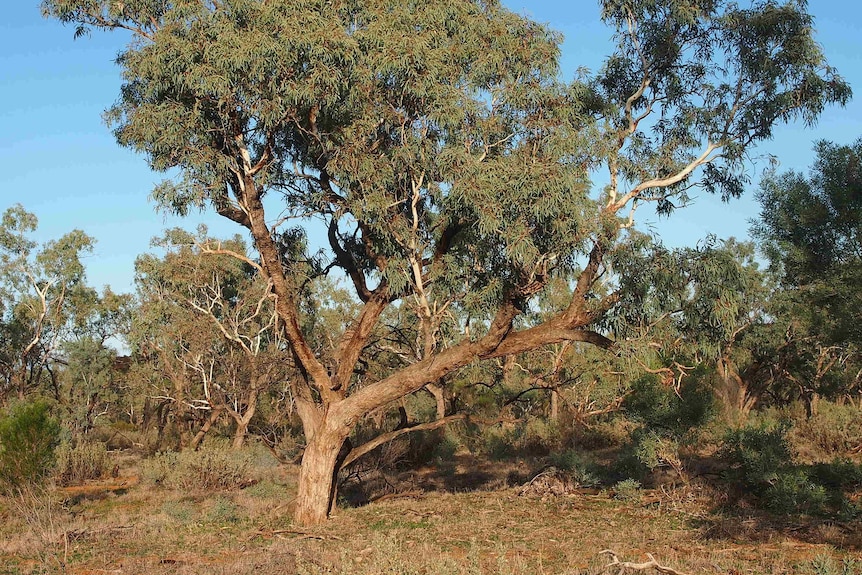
(122, 526)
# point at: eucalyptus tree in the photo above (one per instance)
(43, 295)
(446, 161)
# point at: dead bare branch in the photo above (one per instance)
(623, 565)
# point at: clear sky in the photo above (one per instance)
(60, 161)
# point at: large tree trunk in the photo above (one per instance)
(317, 476)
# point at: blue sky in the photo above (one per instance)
(60, 161)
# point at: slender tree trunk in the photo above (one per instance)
(554, 416)
(239, 435)
(439, 398)
(202, 432)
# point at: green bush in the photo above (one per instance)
(582, 470)
(28, 439)
(211, 468)
(531, 437)
(659, 406)
(757, 454)
(839, 474)
(826, 564)
(628, 490)
(792, 491)
(81, 462)
(646, 451)
(762, 460)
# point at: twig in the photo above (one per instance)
(306, 535)
(651, 564)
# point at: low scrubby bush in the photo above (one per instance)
(87, 460)
(757, 454)
(761, 461)
(581, 469)
(530, 437)
(28, 439)
(792, 491)
(210, 468)
(628, 490)
(833, 431)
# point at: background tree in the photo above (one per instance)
(810, 229)
(214, 297)
(446, 161)
(43, 294)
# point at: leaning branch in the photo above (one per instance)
(370, 446)
(705, 158)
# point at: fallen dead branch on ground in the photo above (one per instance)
(651, 564)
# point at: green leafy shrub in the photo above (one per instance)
(210, 468)
(757, 454)
(28, 439)
(646, 451)
(446, 447)
(87, 460)
(839, 474)
(628, 490)
(532, 437)
(826, 564)
(611, 431)
(792, 491)
(762, 460)
(658, 406)
(582, 470)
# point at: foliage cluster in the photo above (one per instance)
(762, 464)
(29, 435)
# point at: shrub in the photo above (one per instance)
(581, 469)
(839, 474)
(446, 448)
(792, 491)
(531, 437)
(762, 459)
(646, 451)
(628, 490)
(826, 564)
(660, 406)
(210, 468)
(757, 454)
(28, 438)
(80, 463)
